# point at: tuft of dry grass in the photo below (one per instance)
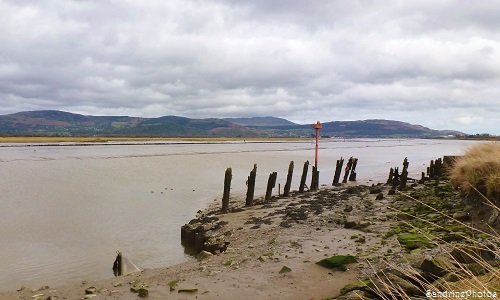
(478, 169)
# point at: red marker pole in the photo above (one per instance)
(317, 126)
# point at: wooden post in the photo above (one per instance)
(251, 186)
(304, 177)
(391, 174)
(227, 188)
(271, 183)
(396, 174)
(438, 166)
(347, 169)
(338, 171)
(288, 184)
(432, 172)
(352, 177)
(404, 174)
(314, 179)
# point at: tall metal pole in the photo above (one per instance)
(317, 126)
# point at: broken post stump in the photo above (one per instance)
(304, 177)
(338, 171)
(404, 174)
(271, 183)
(314, 179)
(347, 169)
(352, 177)
(288, 184)
(251, 186)
(227, 187)
(391, 174)
(396, 174)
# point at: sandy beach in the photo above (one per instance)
(294, 232)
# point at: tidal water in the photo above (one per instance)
(66, 209)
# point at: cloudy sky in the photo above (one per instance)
(429, 62)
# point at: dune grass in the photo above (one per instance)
(478, 169)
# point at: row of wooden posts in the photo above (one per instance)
(350, 174)
(435, 170)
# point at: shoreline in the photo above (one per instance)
(293, 232)
(105, 140)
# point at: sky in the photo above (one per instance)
(430, 62)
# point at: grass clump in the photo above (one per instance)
(478, 169)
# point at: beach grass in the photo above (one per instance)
(478, 170)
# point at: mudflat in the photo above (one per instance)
(264, 240)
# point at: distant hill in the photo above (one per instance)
(53, 122)
(260, 121)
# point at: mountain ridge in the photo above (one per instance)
(55, 122)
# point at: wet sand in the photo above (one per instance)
(295, 232)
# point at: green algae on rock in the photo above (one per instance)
(338, 261)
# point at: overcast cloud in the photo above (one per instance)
(429, 62)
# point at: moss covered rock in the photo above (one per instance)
(413, 240)
(338, 261)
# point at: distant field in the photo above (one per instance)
(51, 139)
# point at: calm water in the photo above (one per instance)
(65, 210)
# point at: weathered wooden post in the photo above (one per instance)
(347, 169)
(304, 177)
(314, 179)
(338, 171)
(271, 183)
(431, 170)
(422, 180)
(288, 184)
(251, 186)
(396, 174)
(227, 189)
(438, 165)
(391, 174)
(404, 174)
(352, 177)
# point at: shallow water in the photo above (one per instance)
(65, 210)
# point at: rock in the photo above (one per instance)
(285, 269)
(438, 266)
(348, 208)
(203, 255)
(51, 298)
(143, 292)
(413, 240)
(380, 196)
(493, 218)
(338, 261)
(468, 255)
(172, 284)
(350, 224)
(391, 192)
(443, 282)
(461, 216)
(360, 285)
(356, 295)
(355, 223)
(137, 286)
(188, 290)
(404, 286)
(90, 290)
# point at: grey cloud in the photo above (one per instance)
(300, 60)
